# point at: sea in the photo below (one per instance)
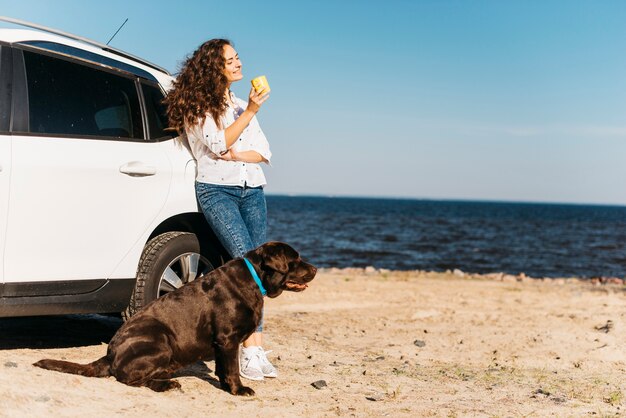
(539, 240)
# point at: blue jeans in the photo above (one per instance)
(237, 215)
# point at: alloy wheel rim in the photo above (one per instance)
(183, 269)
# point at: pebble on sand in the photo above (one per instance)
(375, 397)
(319, 384)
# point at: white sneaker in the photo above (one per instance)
(266, 367)
(249, 363)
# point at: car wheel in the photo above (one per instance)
(168, 262)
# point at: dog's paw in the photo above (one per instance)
(163, 385)
(244, 391)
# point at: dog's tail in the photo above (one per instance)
(99, 368)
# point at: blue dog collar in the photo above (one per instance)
(255, 277)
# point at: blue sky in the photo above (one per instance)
(439, 99)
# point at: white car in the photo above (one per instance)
(97, 205)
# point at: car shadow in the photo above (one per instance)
(62, 331)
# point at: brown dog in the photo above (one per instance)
(204, 319)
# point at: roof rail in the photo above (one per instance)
(84, 40)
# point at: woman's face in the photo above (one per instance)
(232, 71)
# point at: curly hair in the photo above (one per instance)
(199, 88)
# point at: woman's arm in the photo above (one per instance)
(234, 131)
(243, 156)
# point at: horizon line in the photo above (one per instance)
(468, 200)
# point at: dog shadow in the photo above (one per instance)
(62, 331)
(199, 370)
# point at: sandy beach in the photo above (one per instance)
(377, 343)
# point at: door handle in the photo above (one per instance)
(138, 169)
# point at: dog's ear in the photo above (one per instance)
(273, 257)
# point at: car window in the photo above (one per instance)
(5, 95)
(90, 56)
(157, 117)
(68, 98)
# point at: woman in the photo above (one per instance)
(228, 145)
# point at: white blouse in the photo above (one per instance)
(207, 142)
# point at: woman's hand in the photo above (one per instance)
(234, 131)
(255, 100)
(229, 155)
(243, 156)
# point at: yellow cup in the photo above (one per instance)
(260, 84)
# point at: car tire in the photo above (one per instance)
(168, 261)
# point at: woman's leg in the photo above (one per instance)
(254, 214)
(220, 205)
(222, 208)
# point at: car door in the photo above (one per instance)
(5, 148)
(5, 170)
(85, 184)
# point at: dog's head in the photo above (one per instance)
(281, 268)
